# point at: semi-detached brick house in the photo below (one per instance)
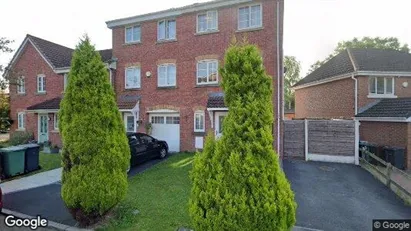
(370, 85)
(164, 69)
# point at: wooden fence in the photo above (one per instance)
(395, 179)
(322, 140)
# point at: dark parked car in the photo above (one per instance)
(144, 147)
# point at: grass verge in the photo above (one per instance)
(157, 199)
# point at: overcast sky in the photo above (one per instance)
(312, 28)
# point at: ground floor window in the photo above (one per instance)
(56, 121)
(199, 121)
(20, 120)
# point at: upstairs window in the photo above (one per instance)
(207, 72)
(21, 85)
(133, 77)
(133, 34)
(207, 22)
(166, 30)
(250, 17)
(167, 75)
(20, 120)
(381, 86)
(65, 81)
(41, 84)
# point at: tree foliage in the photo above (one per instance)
(237, 181)
(292, 76)
(4, 48)
(95, 148)
(365, 42)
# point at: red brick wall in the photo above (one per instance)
(187, 96)
(29, 65)
(329, 100)
(387, 134)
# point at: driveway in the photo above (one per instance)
(340, 196)
(46, 200)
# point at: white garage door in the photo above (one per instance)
(167, 127)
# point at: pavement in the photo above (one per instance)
(340, 197)
(45, 200)
(33, 181)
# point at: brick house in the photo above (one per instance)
(369, 85)
(164, 70)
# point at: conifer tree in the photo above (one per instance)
(95, 147)
(237, 180)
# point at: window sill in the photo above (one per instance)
(41, 93)
(207, 85)
(206, 32)
(166, 41)
(199, 133)
(249, 29)
(132, 89)
(382, 96)
(21, 130)
(132, 43)
(166, 87)
(55, 131)
(21, 94)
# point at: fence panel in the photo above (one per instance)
(294, 139)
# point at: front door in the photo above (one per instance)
(43, 128)
(219, 120)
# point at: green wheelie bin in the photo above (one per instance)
(13, 159)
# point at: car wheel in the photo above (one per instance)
(163, 153)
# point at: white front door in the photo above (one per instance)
(43, 126)
(219, 120)
(166, 127)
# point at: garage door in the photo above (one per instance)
(167, 127)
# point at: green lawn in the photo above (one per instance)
(49, 161)
(160, 194)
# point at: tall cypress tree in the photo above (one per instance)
(95, 147)
(237, 181)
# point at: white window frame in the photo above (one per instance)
(21, 85)
(207, 61)
(249, 17)
(158, 75)
(207, 16)
(125, 78)
(41, 88)
(55, 121)
(21, 121)
(379, 95)
(166, 32)
(199, 113)
(65, 81)
(126, 115)
(133, 40)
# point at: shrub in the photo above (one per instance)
(96, 153)
(237, 181)
(20, 137)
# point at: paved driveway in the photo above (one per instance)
(46, 200)
(340, 197)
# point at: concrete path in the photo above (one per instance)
(33, 181)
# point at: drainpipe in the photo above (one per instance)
(279, 104)
(355, 94)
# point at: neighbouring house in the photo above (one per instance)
(369, 85)
(164, 70)
(289, 113)
(38, 77)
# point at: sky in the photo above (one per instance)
(312, 28)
